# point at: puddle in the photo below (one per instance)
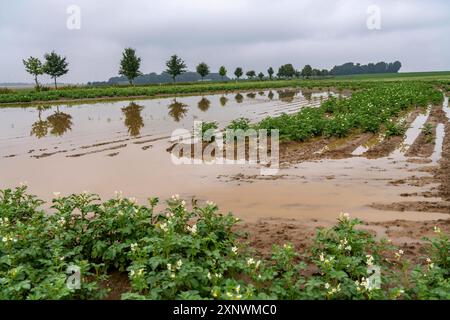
(360, 150)
(440, 135)
(113, 146)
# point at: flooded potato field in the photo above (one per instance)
(110, 146)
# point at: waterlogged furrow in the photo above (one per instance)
(412, 134)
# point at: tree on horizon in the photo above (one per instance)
(55, 66)
(175, 67)
(130, 64)
(34, 67)
(222, 72)
(203, 70)
(238, 72)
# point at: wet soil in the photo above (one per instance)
(263, 234)
(424, 144)
(387, 145)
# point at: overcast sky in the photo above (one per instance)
(253, 34)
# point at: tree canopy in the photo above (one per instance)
(130, 64)
(270, 72)
(307, 71)
(175, 67)
(55, 66)
(34, 67)
(222, 72)
(203, 70)
(251, 74)
(238, 72)
(350, 68)
(286, 71)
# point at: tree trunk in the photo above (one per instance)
(56, 86)
(35, 80)
(173, 79)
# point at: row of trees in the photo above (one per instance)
(55, 66)
(175, 66)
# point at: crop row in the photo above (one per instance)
(194, 254)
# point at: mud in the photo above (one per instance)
(421, 206)
(387, 145)
(443, 173)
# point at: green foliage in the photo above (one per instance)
(175, 67)
(251, 74)
(261, 76)
(365, 111)
(307, 71)
(239, 124)
(428, 130)
(55, 65)
(238, 72)
(34, 67)
(194, 254)
(286, 71)
(203, 70)
(270, 72)
(395, 129)
(130, 64)
(87, 92)
(207, 129)
(222, 72)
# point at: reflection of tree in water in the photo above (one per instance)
(177, 110)
(59, 123)
(251, 95)
(223, 101)
(204, 104)
(239, 98)
(270, 95)
(307, 95)
(261, 93)
(287, 95)
(40, 127)
(133, 118)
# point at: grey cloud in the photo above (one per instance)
(249, 33)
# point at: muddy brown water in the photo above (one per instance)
(110, 146)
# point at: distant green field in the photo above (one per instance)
(436, 75)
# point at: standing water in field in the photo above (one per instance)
(109, 146)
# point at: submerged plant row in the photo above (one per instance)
(194, 254)
(366, 111)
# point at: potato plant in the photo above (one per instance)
(368, 110)
(196, 253)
